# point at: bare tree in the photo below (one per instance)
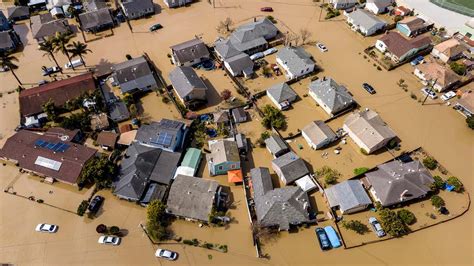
(264, 234)
(291, 39)
(305, 35)
(224, 26)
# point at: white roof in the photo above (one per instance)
(184, 170)
(306, 183)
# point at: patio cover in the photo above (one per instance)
(234, 176)
(184, 170)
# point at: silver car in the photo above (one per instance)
(109, 240)
(376, 227)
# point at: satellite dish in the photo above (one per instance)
(64, 138)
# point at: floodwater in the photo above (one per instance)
(435, 127)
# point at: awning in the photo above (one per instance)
(306, 183)
(234, 176)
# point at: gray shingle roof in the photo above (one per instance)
(18, 12)
(240, 62)
(239, 114)
(364, 18)
(276, 144)
(95, 19)
(44, 25)
(132, 74)
(191, 197)
(291, 166)
(225, 49)
(381, 3)
(282, 92)
(94, 5)
(221, 117)
(118, 111)
(137, 6)
(318, 132)
(190, 50)
(224, 150)
(396, 182)
(295, 58)
(6, 41)
(147, 134)
(347, 195)
(334, 96)
(185, 80)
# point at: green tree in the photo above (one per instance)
(128, 99)
(156, 220)
(437, 184)
(100, 171)
(458, 68)
(81, 209)
(437, 201)
(60, 43)
(391, 223)
(50, 109)
(7, 61)
(80, 121)
(330, 175)
(272, 117)
(356, 226)
(360, 170)
(430, 163)
(78, 49)
(48, 48)
(470, 122)
(456, 183)
(406, 216)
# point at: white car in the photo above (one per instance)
(321, 47)
(166, 254)
(109, 240)
(270, 51)
(448, 95)
(429, 92)
(46, 228)
(376, 227)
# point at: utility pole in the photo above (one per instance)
(430, 87)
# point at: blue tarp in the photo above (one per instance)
(333, 237)
(204, 118)
(449, 187)
(212, 133)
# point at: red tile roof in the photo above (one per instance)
(399, 45)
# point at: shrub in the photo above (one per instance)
(458, 68)
(165, 99)
(272, 117)
(40, 201)
(81, 209)
(265, 135)
(363, 151)
(355, 226)
(413, 96)
(379, 68)
(430, 163)
(156, 220)
(129, 57)
(391, 223)
(207, 245)
(406, 216)
(437, 201)
(470, 122)
(114, 230)
(455, 182)
(437, 184)
(392, 144)
(330, 175)
(188, 242)
(226, 94)
(101, 229)
(360, 170)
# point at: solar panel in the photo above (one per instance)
(56, 146)
(63, 147)
(163, 139)
(50, 146)
(39, 142)
(44, 144)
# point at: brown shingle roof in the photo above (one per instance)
(443, 75)
(107, 139)
(399, 45)
(60, 92)
(22, 148)
(413, 23)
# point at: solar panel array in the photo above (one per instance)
(163, 139)
(55, 147)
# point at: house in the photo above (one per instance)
(192, 198)
(378, 6)
(242, 143)
(295, 61)
(44, 26)
(448, 50)
(190, 163)
(47, 155)
(465, 104)
(401, 11)
(99, 122)
(60, 92)
(331, 96)
(282, 95)
(224, 156)
(278, 207)
(96, 20)
(9, 41)
(167, 134)
(94, 5)
(65, 134)
(135, 9)
(400, 49)
(189, 53)
(37, 5)
(397, 182)
(189, 87)
(318, 135)
(134, 75)
(368, 130)
(221, 118)
(413, 26)
(142, 166)
(17, 13)
(348, 196)
(343, 4)
(177, 3)
(4, 23)
(430, 72)
(289, 167)
(364, 22)
(59, 8)
(276, 145)
(118, 111)
(107, 140)
(240, 65)
(239, 115)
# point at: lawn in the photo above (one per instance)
(461, 6)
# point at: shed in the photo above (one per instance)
(239, 115)
(192, 159)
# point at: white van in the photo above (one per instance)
(73, 63)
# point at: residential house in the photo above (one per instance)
(413, 26)
(190, 163)
(276, 145)
(135, 9)
(47, 155)
(397, 182)
(107, 140)
(192, 198)
(465, 104)
(189, 87)
(289, 167)
(4, 23)
(348, 196)
(240, 65)
(59, 8)
(224, 156)
(318, 135)
(99, 122)
(282, 95)
(177, 3)
(368, 130)
(94, 5)
(378, 6)
(44, 26)
(400, 49)
(331, 96)
(221, 118)
(134, 75)
(17, 13)
(63, 134)
(37, 5)
(239, 115)
(60, 92)
(167, 134)
(401, 11)
(448, 50)
(343, 4)
(189, 53)
(278, 207)
(9, 41)
(442, 77)
(118, 112)
(364, 22)
(295, 61)
(96, 20)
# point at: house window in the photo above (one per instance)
(232, 166)
(220, 168)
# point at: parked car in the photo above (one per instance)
(321, 47)
(166, 254)
(376, 227)
(95, 204)
(50, 70)
(418, 60)
(270, 51)
(257, 56)
(42, 82)
(73, 63)
(109, 240)
(322, 239)
(429, 92)
(46, 228)
(155, 27)
(266, 9)
(369, 88)
(333, 237)
(448, 95)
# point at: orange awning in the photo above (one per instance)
(234, 176)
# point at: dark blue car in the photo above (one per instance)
(323, 239)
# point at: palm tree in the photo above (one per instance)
(60, 41)
(79, 49)
(48, 48)
(7, 62)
